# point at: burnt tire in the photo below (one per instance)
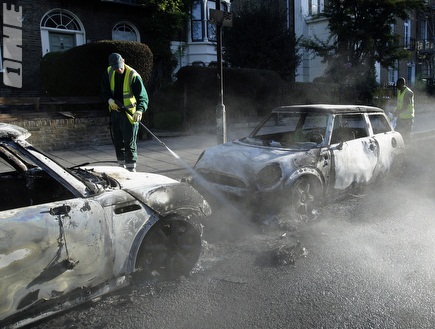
(169, 250)
(306, 195)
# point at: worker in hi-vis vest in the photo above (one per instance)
(124, 91)
(404, 110)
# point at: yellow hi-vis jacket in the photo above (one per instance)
(129, 100)
(405, 104)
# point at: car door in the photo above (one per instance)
(355, 154)
(388, 140)
(50, 249)
(51, 241)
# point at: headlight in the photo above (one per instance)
(269, 176)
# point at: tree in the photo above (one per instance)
(163, 20)
(260, 39)
(361, 34)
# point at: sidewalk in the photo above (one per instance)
(155, 158)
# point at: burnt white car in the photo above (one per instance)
(68, 235)
(299, 155)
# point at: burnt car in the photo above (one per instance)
(69, 235)
(300, 155)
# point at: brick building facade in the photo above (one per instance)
(49, 25)
(37, 27)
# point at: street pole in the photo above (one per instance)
(221, 124)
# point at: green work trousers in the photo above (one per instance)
(124, 138)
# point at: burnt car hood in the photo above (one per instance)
(244, 160)
(162, 194)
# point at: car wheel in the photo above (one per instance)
(170, 249)
(305, 197)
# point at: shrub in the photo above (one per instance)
(78, 71)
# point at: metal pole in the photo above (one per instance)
(221, 125)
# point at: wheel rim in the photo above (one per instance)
(305, 197)
(170, 249)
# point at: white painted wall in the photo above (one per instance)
(307, 27)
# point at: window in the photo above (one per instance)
(407, 34)
(315, 7)
(24, 183)
(197, 21)
(423, 30)
(392, 75)
(348, 127)
(379, 124)
(201, 20)
(126, 32)
(211, 28)
(60, 31)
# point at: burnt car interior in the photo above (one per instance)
(379, 123)
(348, 127)
(290, 130)
(25, 184)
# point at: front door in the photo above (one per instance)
(354, 152)
(61, 41)
(50, 249)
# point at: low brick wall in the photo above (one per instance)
(63, 133)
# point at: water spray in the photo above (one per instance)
(127, 110)
(199, 180)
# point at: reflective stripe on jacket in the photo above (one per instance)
(129, 100)
(408, 112)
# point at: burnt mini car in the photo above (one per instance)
(68, 235)
(299, 155)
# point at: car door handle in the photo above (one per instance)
(61, 210)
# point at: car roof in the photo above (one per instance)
(13, 132)
(328, 108)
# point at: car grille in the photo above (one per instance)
(222, 179)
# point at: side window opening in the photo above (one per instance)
(348, 127)
(24, 184)
(379, 124)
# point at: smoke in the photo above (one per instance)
(384, 237)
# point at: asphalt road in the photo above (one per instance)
(368, 261)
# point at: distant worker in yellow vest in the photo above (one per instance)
(404, 110)
(122, 88)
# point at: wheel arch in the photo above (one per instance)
(137, 243)
(306, 191)
(174, 222)
(179, 198)
(310, 173)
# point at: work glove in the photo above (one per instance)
(137, 116)
(112, 105)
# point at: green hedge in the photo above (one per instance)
(78, 71)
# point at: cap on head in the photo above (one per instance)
(115, 61)
(400, 82)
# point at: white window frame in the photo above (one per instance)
(315, 7)
(128, 25)
(407, 34)
(78, 31)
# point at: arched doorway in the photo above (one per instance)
(61, 30)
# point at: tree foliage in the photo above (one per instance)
(361, 34)
(260, 39)
(163, 21)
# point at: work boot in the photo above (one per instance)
(131, 167)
